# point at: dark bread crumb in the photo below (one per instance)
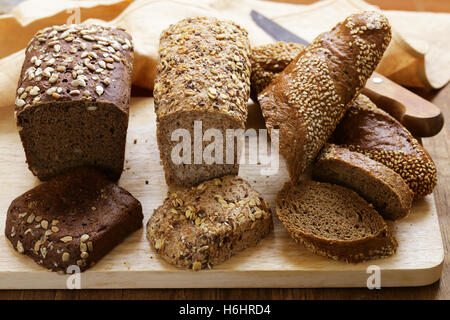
(334, 221)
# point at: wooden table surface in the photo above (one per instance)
(438, 147)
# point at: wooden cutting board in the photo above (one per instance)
(277, 261)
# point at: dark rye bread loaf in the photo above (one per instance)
(375, 182)
(73, 219)
(72, 99)
(205, 225)
(268, 61)
(203, 75)
(308, 99)
(371, 131)
(334, 221)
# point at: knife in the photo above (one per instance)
(419, 116)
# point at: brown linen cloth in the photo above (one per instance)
(418, 55)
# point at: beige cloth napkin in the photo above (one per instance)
(419, 54)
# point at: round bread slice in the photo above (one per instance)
(334, 221)
(375, 182)
(205, 225)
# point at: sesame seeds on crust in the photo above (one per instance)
(369, 127)
(418, 173)
(317, 87)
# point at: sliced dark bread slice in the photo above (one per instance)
(334, 221)
(73, 219)
(375, 182)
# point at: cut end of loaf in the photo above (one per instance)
(199, 161)
(61, 136)
(375, 182)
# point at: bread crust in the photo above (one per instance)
(73, 219)
(308, 99)
(375, 182)
(205, 225)
(375, 244)
(376, 134)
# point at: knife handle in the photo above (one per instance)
(419, 116)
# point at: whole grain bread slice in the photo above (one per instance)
(375, 182)
(205, 225)
(334, 221)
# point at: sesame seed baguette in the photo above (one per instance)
(203, 74)
(375, 182)
(334, 221)
(268, 61)
(73, 219)
(73, 98)
(376, 134)
(205, 225)
(308, 99)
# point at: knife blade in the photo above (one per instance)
(419, 116)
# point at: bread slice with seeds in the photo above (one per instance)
(73, 219)
(375, 182)
(205, 225)
(268, 61)
(203, 77)
(334, 221)
(72, 99)
(376, 134)
(308, 99)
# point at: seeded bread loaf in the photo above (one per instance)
(73, 219)
(268, 61)
(371, 131)
(308, 99)
(334, 221)
(203, 75)
(375, 182)
(205, 225)
(73, 97)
